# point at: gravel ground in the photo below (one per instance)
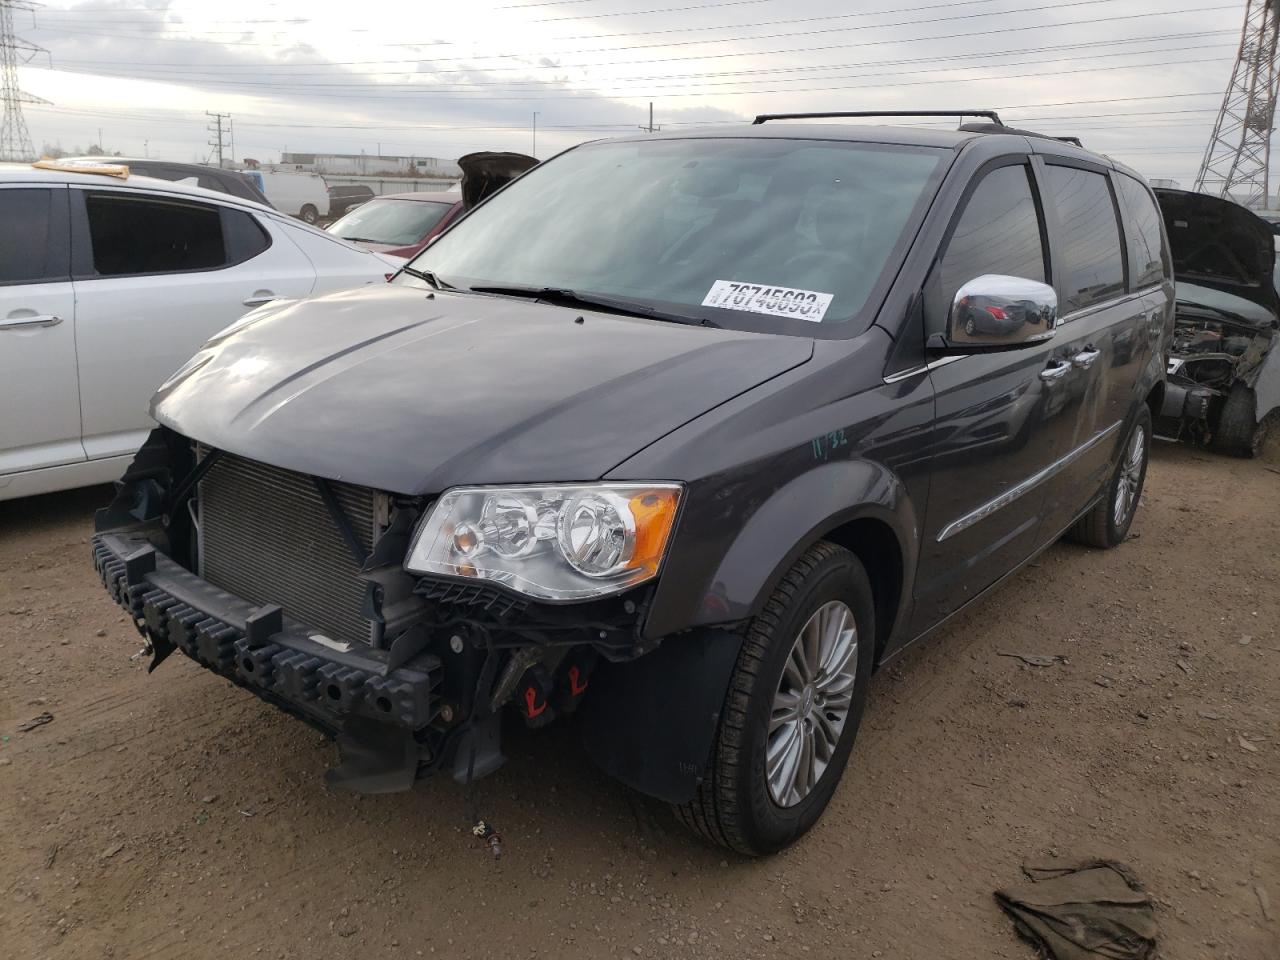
(176, 816)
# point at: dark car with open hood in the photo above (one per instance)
(1224, 368)
(687, 434)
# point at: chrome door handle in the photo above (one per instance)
(257, 300)
(1056, 370)
(40, 320)
(1084, 359)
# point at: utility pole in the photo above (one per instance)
(15, 140)
(215, 130)
(650, 128)
(146, 149)
(534, 154)
(1237, 161)
(233, 142)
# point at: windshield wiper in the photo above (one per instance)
(428, 276)
(571, 298)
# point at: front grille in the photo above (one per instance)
(267, 536)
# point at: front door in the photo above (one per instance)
(39, 397)
(998, 415)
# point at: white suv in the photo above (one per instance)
(107, 285)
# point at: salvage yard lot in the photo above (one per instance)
(175, 816)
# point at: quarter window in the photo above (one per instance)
(1090, 263)
(131, 235)
(34, 245)
(1146, 244)
(998, 233)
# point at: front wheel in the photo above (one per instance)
(795, 700)
(309, 214)
(1239, 433)
(1107, 524)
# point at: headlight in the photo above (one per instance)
(549, 542)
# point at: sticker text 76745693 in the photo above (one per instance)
(775, 301)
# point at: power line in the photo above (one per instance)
(187, 66)
(15, 139)
(715, 56)
(418, 92)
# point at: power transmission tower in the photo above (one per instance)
(15, 141)
(1237, 162)
(215, 128)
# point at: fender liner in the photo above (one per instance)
(651, 722)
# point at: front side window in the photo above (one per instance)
(33, 240)
(1146, 245)
(398, 222)
(759, 233)
(132, 234)
(1091, 264)
(998, 233)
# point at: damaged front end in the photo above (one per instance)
(1223, 367)
(295, 587)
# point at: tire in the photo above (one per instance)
(1104, 526)
(970, 327)
(1239, 432)
(735, 806)
(309, 214)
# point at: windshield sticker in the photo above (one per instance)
(775, 301)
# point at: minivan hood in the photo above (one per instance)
(414, 391)
(1219, 244)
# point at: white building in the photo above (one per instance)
(368, 165)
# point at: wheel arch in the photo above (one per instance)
(857, 504)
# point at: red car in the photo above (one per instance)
(398, 223)
(401, 224)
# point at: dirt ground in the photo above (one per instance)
(177, 816)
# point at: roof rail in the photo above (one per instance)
(989, 114)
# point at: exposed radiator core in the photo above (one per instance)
(267, 536)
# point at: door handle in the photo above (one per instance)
(40, 320)
(1056, 370)
(1084, 359)
(259, 298)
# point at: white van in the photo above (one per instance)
(301, 195)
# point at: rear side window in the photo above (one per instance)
(132, 234)
(1091, 265)
(34, 243)
(245, 237)
(999, 233)
(1146, 245)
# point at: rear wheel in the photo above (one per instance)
(1239, 433)
(795, 700)
(309, 214)
(1107, 524)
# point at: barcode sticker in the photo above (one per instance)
(775, 301)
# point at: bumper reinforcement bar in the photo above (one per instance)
(257, 647)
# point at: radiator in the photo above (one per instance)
(267, 536)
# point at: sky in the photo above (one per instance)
(441, 80)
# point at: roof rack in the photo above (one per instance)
(989, 114)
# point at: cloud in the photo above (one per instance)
(419, 84)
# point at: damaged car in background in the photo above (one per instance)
(687, 432)
(1224, 367)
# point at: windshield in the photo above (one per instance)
(383, 220)
(788, 230)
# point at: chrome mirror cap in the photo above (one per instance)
(994, 312)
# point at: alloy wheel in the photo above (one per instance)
(812, 703)
(1130, 478)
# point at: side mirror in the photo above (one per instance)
(994, 312)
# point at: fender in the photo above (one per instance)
(771, 538)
